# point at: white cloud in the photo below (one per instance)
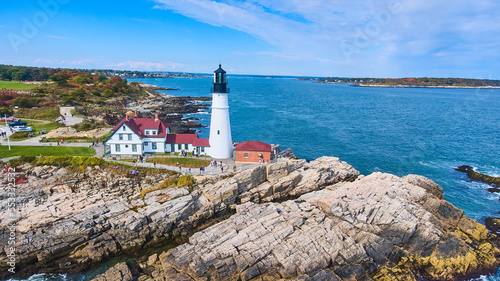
(43, 61)
(80, 62)
(379, 35)
(57, 37)
(148, 66)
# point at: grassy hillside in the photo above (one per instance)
(16, 85)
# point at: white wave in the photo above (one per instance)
(43, 277)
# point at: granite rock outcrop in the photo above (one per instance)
(70, 222)
(378, 227)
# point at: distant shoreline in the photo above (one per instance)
(412, 86)
(418, 86)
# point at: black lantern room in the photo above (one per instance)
(220, 83)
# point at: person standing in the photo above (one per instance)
(221, 169)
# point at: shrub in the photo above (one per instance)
(186, 180)
(74, 161)
(170, 182)
(22, 160)
(19, 135)
(44, 113)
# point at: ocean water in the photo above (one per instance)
(395, 130)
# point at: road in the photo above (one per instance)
(66, 112)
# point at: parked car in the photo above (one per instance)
(22, 129)
(17, 123)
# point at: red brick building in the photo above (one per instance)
(253, 152)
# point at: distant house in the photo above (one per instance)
(253, 152)
(139, 136)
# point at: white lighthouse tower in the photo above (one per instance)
(221, 143)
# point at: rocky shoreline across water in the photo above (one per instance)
(171, 109)
(290, 220)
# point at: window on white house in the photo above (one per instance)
(202, 149)
(134, 148)
(218, 132)
(117, 147)
(154, 145)
(120, 136)
(186, 146)
(129, 137)
(147, 133)
(179, 146)
(145, 143)
(124, 128)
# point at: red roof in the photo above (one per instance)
(201, 142)
(181, 138)
(253, 146)
(139, 125)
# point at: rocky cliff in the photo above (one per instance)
(290, 220)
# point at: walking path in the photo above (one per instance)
(69, 119)
(228, 165)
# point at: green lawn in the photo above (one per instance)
(184, 162)
(16, 85)
(45, 151)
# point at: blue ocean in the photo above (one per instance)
(395, 130)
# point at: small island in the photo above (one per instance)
(424, 82)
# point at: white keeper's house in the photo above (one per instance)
(139, 136)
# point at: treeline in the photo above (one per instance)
(417, 82)
(25, 73)
(77, 87)
(65, 86)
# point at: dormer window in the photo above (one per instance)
(151, 132)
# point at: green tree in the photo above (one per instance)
(108, 93)
(60, 79)
(78, 94)
(5, 110)
(82, 79)
(17, 76)
(22, 102)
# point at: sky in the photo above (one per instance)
(340, 38)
